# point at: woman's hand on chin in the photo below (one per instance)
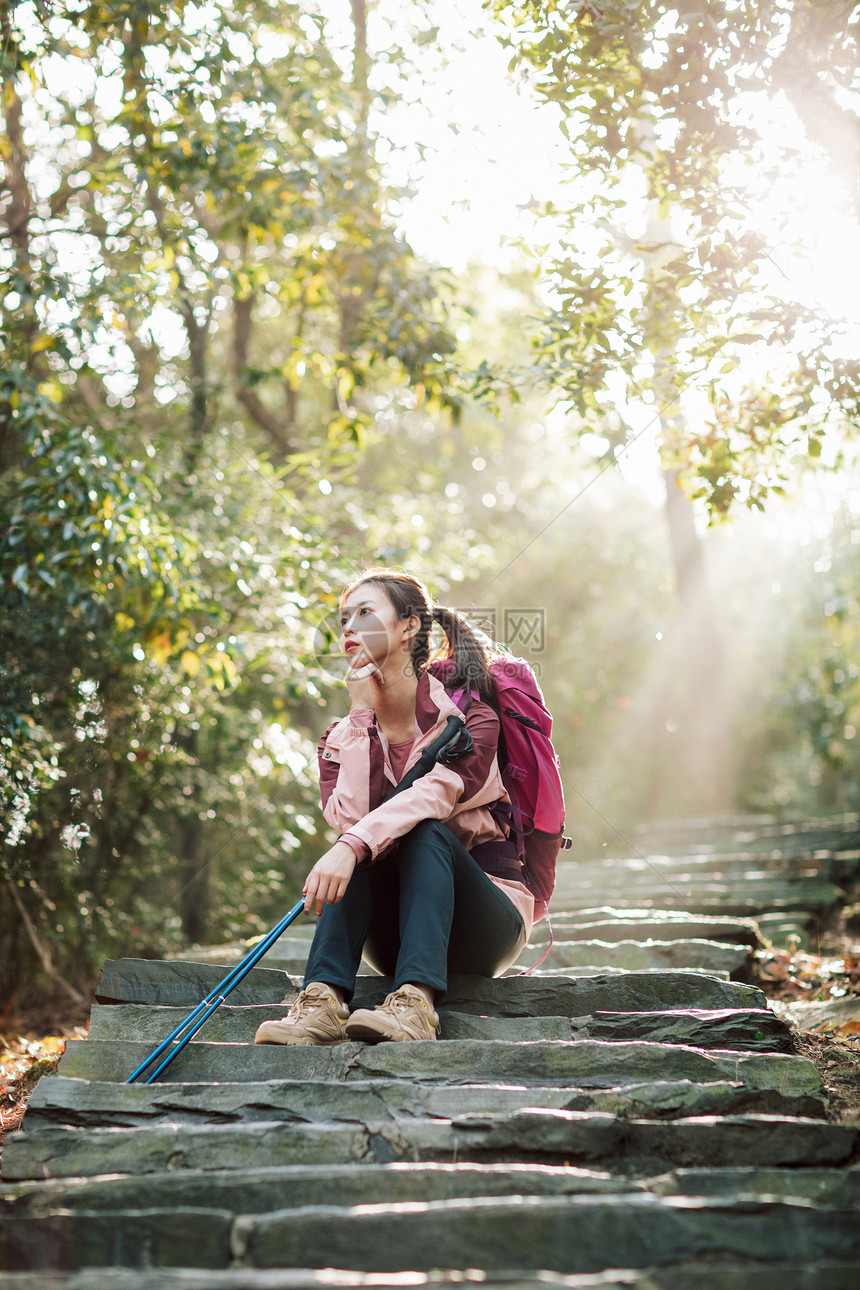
(328, 880)
(364, 681)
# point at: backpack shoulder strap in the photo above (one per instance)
(464, 698)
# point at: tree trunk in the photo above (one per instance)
(702, 718)
(361, 65)
(693, 696)
(804, 73)
(198, 422)
(193, 896)
(18, 209)
(194, 876)
(355, 287)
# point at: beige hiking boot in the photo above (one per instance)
(316, 1017)
(405, 1014)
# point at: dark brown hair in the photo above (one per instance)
(408, 594)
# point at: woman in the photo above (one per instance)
(426, 881)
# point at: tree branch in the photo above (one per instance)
(44, 956)
(252, 403)
(801, 72)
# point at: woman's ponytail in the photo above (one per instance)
(471, 670)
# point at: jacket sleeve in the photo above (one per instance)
(471, 780)
(352, 769)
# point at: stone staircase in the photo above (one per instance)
(630, 1115)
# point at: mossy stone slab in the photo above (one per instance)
(575, 1064)
(582, 1138)
(183, 984)
(559, 1235)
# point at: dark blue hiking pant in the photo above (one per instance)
(423, 910)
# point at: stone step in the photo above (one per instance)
(294, 965)
(767, 891)
(607, 923)
(185, 984)
(677, 942)
(686, 893)
(567, 925)
(256, 1191)
(622, 1105)
(824, 1188)
(635, 955)
(666, 871)
(82, 1103)
(580, 957)
(545, 1136)
(707, 865)
(562, 1234)
(293, 947)
(333, 1279)
(704, 1274)
(143, 1237)
(569, 1235)
(751, 1030)
(748, 1030)
(735, 901)
(294, 943)
(182, 984)
(285, 955)
(617, 973)
(152, 1023)
(581, 1064)
(745, 897)
(747, 830)
(713, 900)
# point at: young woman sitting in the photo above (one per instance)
(427, 881)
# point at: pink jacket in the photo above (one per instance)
(356, 773)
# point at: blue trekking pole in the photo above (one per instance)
(453, 742)
(214, 1000)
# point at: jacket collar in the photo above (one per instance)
(432, 701)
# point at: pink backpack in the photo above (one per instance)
(530, 770)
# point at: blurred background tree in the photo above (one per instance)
(202, 300)
(669, 315)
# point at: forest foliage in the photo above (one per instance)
(227, 381)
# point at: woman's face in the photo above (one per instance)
(371, 631)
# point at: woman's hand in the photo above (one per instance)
(364, 681)
(327, 881)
